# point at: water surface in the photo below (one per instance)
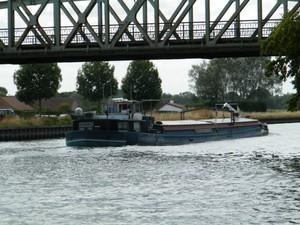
(245, 181)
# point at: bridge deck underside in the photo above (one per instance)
(93, 53)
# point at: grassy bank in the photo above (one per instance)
(279, 115)
(209, 114)
(16, 122)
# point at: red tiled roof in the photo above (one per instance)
(4, 105)
(15, 104)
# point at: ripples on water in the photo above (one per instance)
(246, 181)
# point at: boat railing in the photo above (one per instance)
(232, 108)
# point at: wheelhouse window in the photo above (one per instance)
(123, 126)
(137, 126)
(86, 126)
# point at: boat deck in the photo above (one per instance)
(208, 123)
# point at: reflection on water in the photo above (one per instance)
(245, 181)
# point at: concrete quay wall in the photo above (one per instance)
(33, 133)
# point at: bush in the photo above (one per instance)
(253, 106)
(12, 122)
(65, 108)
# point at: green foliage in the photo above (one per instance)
(252, 106)
(3, 92)
(184, 98)
(64, 108)
(56, 121)
(25, 114)
(142, 81)
(37, 81)
(233, 79)
(209, 80)
(294, 102)
(84, 103)
(13, 122)
(284, 42)
(96, 81)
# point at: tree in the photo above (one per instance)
(185, 98)
(3, 92)
(209, 80)
(142, 81)
(36, 82)
(231, 79)
(284, 42)
(247, 76)
(95, 81)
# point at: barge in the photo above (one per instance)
(124, 124)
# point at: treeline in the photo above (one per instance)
(189, 99)
(95, 83)
(241, 80)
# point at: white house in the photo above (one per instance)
(171, 107)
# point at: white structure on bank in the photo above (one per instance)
(172, 107)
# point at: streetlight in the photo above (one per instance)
(132, 86)
(103, 90)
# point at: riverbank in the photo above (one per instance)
(19, 122)
(269, 117)
(20, 129)
(275, 117)
(33, 133)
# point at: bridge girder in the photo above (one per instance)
(136, 30)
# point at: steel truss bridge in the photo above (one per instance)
(86, 30)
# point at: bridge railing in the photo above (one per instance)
(247, 29)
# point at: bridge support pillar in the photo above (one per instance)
(207, 21)
(100, 19)
(260, 18)
(285, 7)
(238, 21)
(191, 19)
(57, 23)
(156, 21)
(107, 22)
(145, 16)
(11, 24)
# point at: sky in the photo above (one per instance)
(174, 73)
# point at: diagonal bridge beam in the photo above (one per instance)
(127, 29)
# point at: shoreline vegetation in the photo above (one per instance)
(19, 122)
(210, 114)
(272, 116)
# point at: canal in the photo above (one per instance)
(245, 181)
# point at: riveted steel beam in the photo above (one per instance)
(259, 19)
(207, 22)
(82, 21)
(156, 20)
(124, 29)
(130, 18)
(32, 22)
(230, 21)
(142, 29)
(171, 20)
(263, 22)
(179, 20)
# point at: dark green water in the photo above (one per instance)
(245, 181)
